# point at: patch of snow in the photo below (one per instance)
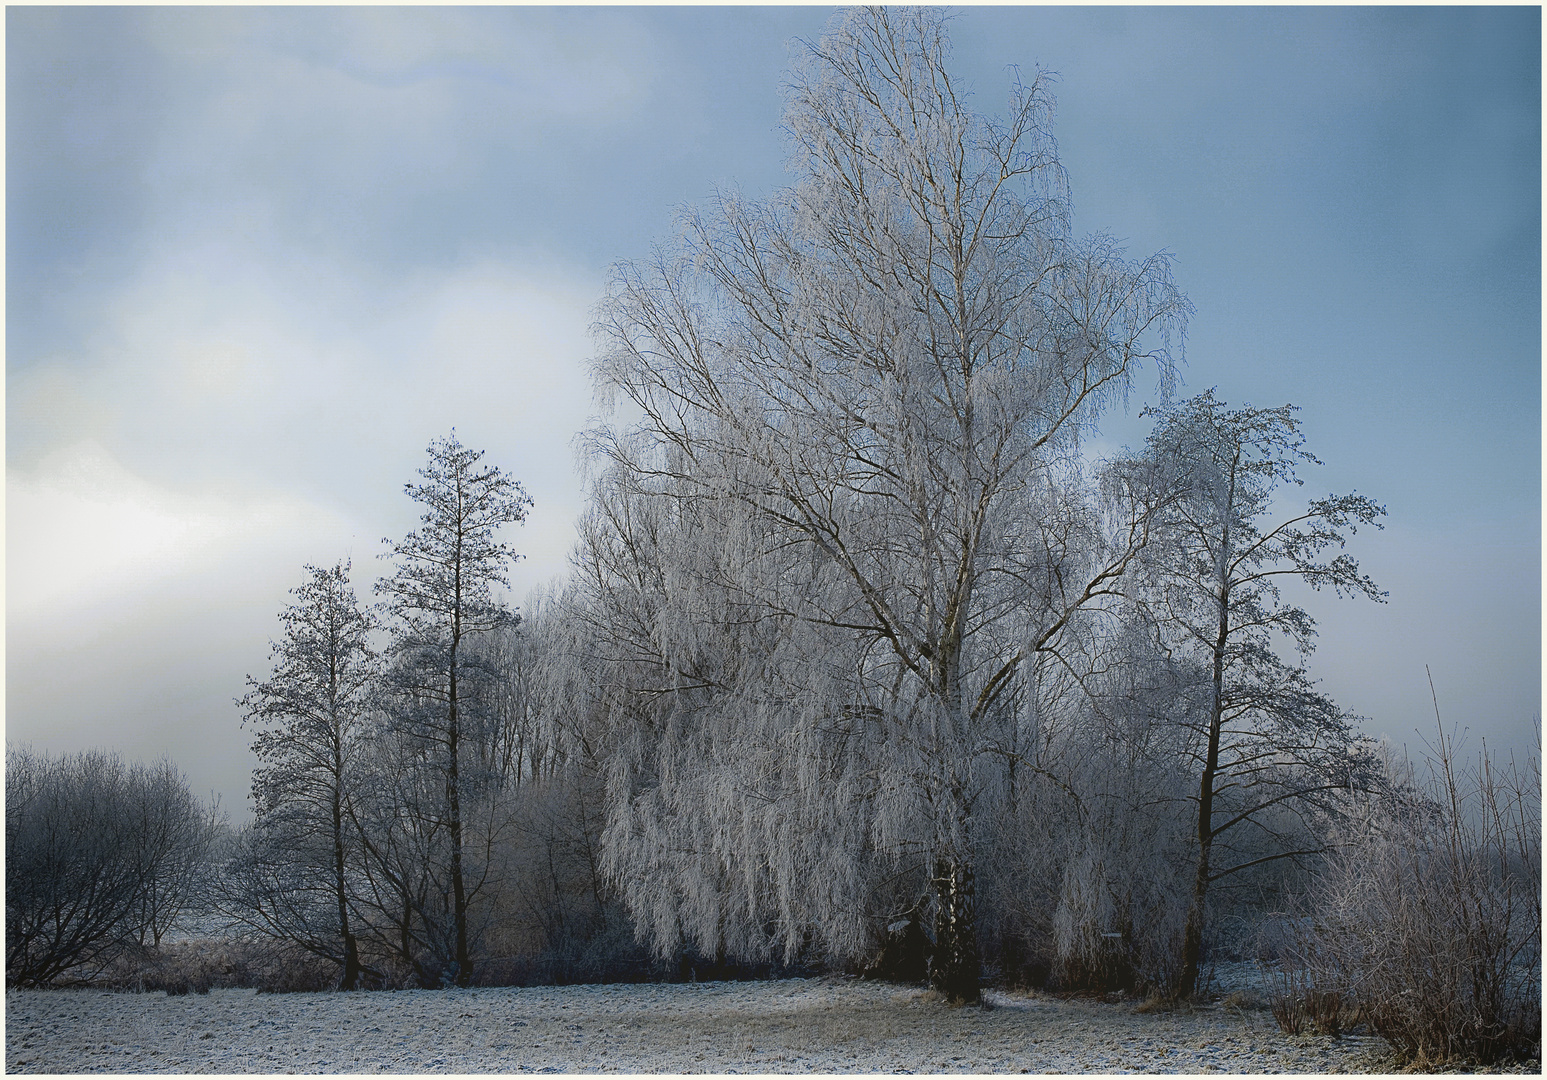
(826, 1025)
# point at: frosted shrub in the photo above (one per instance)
(1429, 918)
(1117, 928)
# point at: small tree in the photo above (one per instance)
(1265, 737)
(441, 595)
(309, 717)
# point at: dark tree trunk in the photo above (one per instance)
(463, 974)
(350, 977)
(1192, 937)
(954, 968)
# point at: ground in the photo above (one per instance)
(825, 1025)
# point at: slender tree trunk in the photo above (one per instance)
(954, 969)
(463, 961)
(1192, 936)
(406, 944)
(463, 974)
(350, 977)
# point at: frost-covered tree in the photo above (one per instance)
(100, 857)
(857, 400)
(310, 719)
(440, 598)
(1266, 742)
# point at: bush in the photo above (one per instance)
(197, 967)
(1299, 1005)
(1428, 920)
(101, 857)
(605, 950)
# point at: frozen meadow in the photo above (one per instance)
(787, 1026)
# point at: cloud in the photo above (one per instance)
(334, 82)
(391, 140)
(258, 258)
(311, 271)
(83, 531)
(213, 371)
(134, 609)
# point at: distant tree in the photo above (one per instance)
(863, 391)
(1266, 741)
(440, 598)
(309, 716)
(97, 859)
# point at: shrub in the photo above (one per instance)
(1429, 918)
(197, 967)
(100, 857)
(1298, 1004)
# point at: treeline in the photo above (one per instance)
(862, 662)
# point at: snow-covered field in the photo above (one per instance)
(796, 1025)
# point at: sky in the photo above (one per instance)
(257, 258)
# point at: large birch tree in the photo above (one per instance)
(871, 381)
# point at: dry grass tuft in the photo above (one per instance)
(1243, 1000)
(1158, 1002)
